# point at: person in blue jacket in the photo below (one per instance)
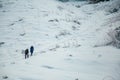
(31, 50)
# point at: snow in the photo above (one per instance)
(69, 41)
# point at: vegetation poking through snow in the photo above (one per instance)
(5, 77)
(22, 34)
(54, 48)
(54, 20)
(113, 7)
(1, 5)
(63, 0)
(97, 1)
(115, 37)
(75, 27)
(78, 6)
(60, 8)
(2, 43)
(62, 33)
(77, 22)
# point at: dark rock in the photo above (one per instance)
(78, 6)
(63, 0)
(1, 43)
(1, 5)
(20, 20)
(76, 79)
(5, 77)
(22, 34)
(113, 10)
(77, 22)
(70, 55)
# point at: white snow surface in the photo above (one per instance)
(69, 40)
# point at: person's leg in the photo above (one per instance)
(31, 53)
(25, 56)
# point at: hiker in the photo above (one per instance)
(26, 53)
(31, 50)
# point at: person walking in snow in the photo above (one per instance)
(26, 53)
(31, 50)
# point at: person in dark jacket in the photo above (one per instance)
(31, 50)
(26, 53)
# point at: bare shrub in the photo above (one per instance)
(63, 0)
(62, 33)
(5, 77)
(1, 43)
(115, 37)
(1, 5)
(96, 1)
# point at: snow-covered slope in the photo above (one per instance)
(69, 40)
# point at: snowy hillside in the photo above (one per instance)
(70, 39)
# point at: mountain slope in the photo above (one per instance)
(69, 40)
